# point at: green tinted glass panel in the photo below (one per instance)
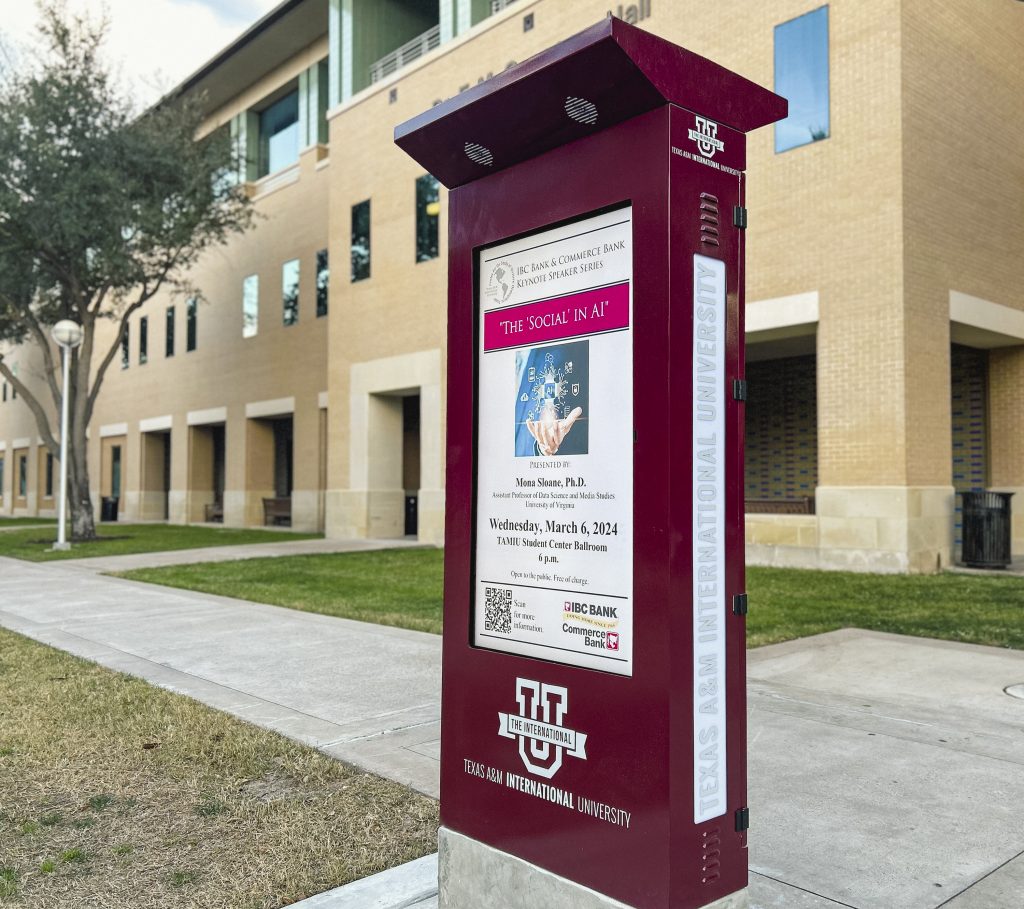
(361, 241)
(290, 291)
(428, 212)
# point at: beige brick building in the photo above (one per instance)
(885, 267)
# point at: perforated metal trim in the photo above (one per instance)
(478, 154)
(581, 110)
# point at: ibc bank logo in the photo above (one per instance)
(706, 137)
(539, 726)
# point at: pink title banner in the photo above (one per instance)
(586, 313)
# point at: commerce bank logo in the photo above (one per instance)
(706, 137)
(544, 740)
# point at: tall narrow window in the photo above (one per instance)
(323, 279)
(361, 241)
(125, 350)
(428, 210)
(1, 477)
(48, 491)
(251, 306)
(5, 391)
(279, 134)
(169, 334)
(290, 291)
(190, 323)
(801, 76)
(143, 339)
(22, 476)
(115, 471)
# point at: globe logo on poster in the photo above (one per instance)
(501, 283)
(539, 726)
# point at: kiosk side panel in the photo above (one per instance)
(709, 686)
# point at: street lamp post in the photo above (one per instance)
(68, 336)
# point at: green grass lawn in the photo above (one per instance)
(118, 794)
(18, 522)
(391, 586)
(122, 539)
(403, 587)
(786, 603)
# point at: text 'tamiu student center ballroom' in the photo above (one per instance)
(884, 297)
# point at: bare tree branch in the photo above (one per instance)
(43, 343)
(38, 411)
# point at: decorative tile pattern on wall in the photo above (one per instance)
(969, 399)
(782, 428)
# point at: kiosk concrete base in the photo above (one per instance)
(472, 874)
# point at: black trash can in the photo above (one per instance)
(986, 529)
(108, 508)
(411, 515)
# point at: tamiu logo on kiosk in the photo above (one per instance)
(543, 739)
(706, 137)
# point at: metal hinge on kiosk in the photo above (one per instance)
(739, 389)
(742, 819)
(739, 604)
(739, 217)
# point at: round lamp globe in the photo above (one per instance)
(67, 333)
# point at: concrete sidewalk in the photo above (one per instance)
(885, 772)
(100, 564)
(314, 678)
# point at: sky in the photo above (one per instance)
(155, 44)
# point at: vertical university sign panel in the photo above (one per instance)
(593, 734)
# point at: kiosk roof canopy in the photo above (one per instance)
(605, 74)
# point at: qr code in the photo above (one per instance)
(498, 610)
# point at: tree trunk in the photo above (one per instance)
(83, 519)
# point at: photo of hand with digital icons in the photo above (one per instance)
(549, 431)
(552, 408)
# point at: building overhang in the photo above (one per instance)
(980, 323)
(285, 31)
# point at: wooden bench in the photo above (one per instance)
(214, 513)
(277, 511)
(801, 505)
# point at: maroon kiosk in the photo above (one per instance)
(593, 746)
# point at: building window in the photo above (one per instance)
(22, 476)
(279, 134)
(323, 279)
(290, 291)
(251, 306)
(361, 241)
(190, 323)
(169, 336)
(143, 339)
(48, 494)
(5, 392)
(115, 471)
(801, 76)
(428, 211)
(1, 478)
(125, 354)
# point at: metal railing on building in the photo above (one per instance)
(402, 56)
(498, 5)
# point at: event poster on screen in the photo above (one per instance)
(554, 508)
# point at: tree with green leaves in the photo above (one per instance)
(101, 207)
